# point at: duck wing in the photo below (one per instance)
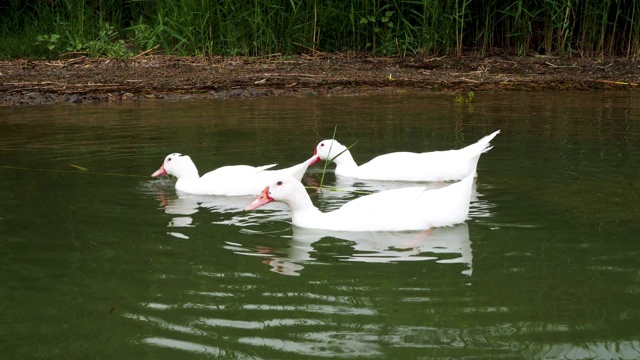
(236, 171)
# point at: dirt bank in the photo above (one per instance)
(83, 80)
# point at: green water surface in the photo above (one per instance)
(100, 261)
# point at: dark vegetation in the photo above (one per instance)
(37, 29)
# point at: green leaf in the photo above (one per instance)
(363, 20)
(79, 167)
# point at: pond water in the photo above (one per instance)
(99, 260)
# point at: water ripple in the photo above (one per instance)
(186, 346)
(324, 344)
(449, 245)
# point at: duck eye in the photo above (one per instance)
(168, 159)
(321, 144)
(279, 183)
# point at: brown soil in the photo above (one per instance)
(83, 80)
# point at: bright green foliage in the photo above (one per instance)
(50, 41)
(106, 44)
(119, 29)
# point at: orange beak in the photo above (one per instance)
(160, 171)
(263, 199)
(315, 152)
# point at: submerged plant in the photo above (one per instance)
(459, 99)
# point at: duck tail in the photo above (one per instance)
(483, 145)
(298, 171)
(264, 167)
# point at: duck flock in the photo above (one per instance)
(414, 207)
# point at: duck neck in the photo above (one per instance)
(188, 176)
(344, 162)
(301, 204)
(190, 171)
(304, 213)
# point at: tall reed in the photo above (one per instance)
(263, 27)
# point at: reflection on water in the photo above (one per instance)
(444, 245)
(227, 210)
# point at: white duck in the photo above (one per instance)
(410, 208)
(406, 166)
(236, 180)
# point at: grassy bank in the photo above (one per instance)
(52, 28)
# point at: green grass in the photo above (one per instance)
(117, 29)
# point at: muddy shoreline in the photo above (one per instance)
(86, 80)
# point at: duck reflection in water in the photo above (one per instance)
(230, 209)
(436, 244)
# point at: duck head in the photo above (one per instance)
(328, 150)
(178, 165)
(287, 190)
